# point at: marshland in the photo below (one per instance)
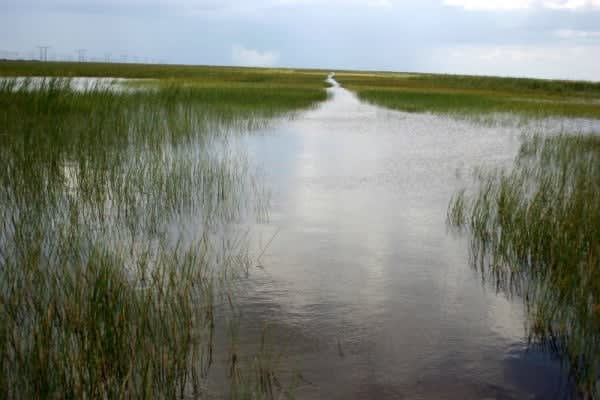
(248, 233)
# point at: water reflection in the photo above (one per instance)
(378, 300)
(78, 84)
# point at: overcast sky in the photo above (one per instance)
(541, 38)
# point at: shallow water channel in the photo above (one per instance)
(360, 281)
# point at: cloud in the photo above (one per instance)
(568, 34)
(493, 5)
(243, 56)
(343, 34)
(489, 5)
(179, 7)
(369, 3)
(549, 61)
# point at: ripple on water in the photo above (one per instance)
(379, 300)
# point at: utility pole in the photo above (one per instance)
(81, 54)
(43, 52)
(107, 57)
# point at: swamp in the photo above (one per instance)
(258, 233)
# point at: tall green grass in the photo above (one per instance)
(471, 82)
(535, 231)
(221, 76)
(467, 104)
(473, 96)
(118, 214)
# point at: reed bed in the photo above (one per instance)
(472, 96)
(118, 235)
(220, 76)
(535, 231)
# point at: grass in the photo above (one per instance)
(118, 214)
(220, 76)
(473, 96)
(535, 231)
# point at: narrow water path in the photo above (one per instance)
(361, 280)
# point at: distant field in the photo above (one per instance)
(198, 74)
(447, 94)
(226, 90)
(473, 95)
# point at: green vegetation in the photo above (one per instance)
(219, 76)
(536, 231)
(473, 96)
(117, 230)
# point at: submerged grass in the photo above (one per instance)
(117, 233)
(472, 96)
(536, 231)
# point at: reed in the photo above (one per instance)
(118, 214)
(535, 231)
(472, 96)
(219, 76)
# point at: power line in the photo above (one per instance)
(43, 52)
(81, 54)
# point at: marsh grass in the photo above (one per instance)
(102, 293)
(219, 76)
(535, 232)
(471, 96)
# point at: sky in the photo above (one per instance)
(535, 38)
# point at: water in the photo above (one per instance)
(78, 84)
(360, 281)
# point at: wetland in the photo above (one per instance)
(209, 232)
